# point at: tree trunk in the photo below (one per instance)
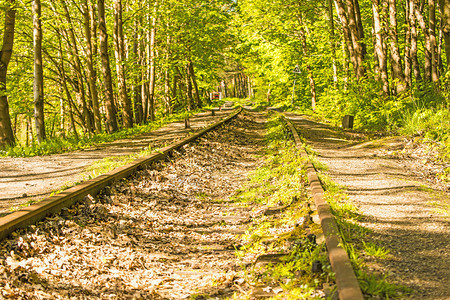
(78, 83)
(111, 121)
(407, 55)
(444, 6)
(6, 132)
(167, 99)
(194, 83)
(62, 112)
(358, 44)
(137, 50)
(119, 47)
(413, 50)
(396, 62)
(312, 83)
(425, 31)
(38, 81)
(151, 112)
(189, 97)
(360, 27)
(332, 42)
(91, 72)
(174, 92)
(433, 44)
(380, 47)
(347, 35)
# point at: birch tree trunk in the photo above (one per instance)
(111, 121)
(6, 132)
(38, 82)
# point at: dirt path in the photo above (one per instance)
(396, 205)
(169, 232)
(32, 178)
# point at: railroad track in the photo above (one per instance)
(65, 199)
(158, 227)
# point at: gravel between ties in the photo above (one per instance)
(167, 232)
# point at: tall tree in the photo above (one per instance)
(396, 61)
(78, 81)
(444, 6)
(348, 36)
(357, 36)
(88, 17)
(380, 46)
(119, 47)
(151, 56)
(111, 121)
(414, 37)
(6, 132)
(433, 44)
(423, 25)
(38, 82)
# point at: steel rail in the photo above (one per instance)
(346, 281)
(52, 205)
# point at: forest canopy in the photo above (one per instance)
(81, 68)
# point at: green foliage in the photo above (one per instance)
(60, 144)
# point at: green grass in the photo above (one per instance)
(67, 144)
(281, 181)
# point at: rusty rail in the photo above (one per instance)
(346, 281)
(36, 212)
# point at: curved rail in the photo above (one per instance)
(54, 204)
(346, 281)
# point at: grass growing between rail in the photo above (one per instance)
(280, 183)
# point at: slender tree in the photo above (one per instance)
(90, 63)
(433, 44)
(396, 61)
(38, 82)
(111, 121)
(6, 132)
(152, 65)
(444, 6)
(380, 46)
(119, 47)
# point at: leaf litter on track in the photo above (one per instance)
(168, 232)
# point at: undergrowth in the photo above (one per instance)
(280, 182)
(72, 143)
